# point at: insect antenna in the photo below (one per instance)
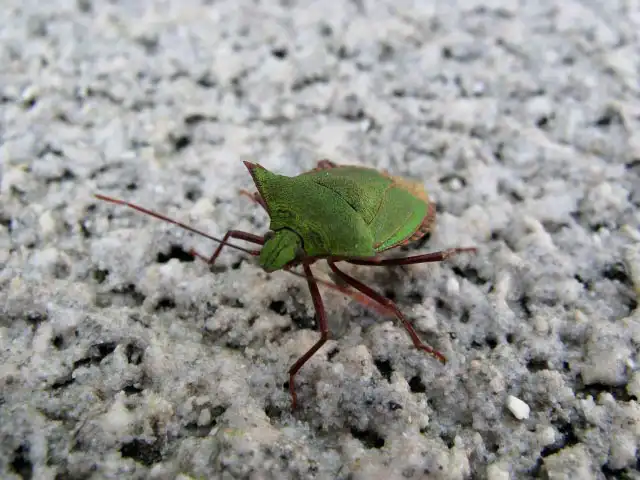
(357, 296)
(175, 222)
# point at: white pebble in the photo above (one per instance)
(547, 436)
(518, 408)
(47, 223)
(118, 419)
(455, 185)
(453, 286)
(204, 418)
(497, 472)
(633, 386)
(15, 177)
(203, 208)
(540, 324)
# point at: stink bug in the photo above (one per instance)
(334, 213)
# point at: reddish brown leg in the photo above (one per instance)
(322, 165)
(322, 324)
(425, 258)
(255, 196)
(367, 302)
(238, 234)
(325, 164)
(391, 306)
(357, 296)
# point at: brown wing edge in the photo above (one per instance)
(426, 225)
(412, 186)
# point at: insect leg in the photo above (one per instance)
(255, 196)
(325, 165)
(391, 306)
(357, 296)
(237, 234)
(425, 258)
(321, 315)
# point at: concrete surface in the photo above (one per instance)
(120, 357)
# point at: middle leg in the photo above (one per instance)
(238, 234)
(321, 315)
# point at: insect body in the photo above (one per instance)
(335, 213)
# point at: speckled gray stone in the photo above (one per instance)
(121, 357)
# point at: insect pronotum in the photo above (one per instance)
(333, 213)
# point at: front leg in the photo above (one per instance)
(240, 235)
(321, 315)
(255, 197)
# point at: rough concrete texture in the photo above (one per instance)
(121, 357)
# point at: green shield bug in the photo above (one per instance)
(334, 213)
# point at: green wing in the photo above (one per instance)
(399, 217)
(346, 211)
(361, 188)
(392, 208)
